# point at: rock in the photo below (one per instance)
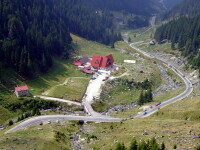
(145, 133)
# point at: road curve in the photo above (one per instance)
(37, 120)
(187, 92)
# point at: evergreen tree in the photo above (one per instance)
(141, 98)
(129, 39)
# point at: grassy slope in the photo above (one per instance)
(89, 48)
(74, 89)
(57, 75)
(40, 138)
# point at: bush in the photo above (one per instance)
(60, 136)
(175, 146)
(10, 123)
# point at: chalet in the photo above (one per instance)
(102, 62)
(22, 91)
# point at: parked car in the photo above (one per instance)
(41, 123)
(93, 78)
(49, 121)
(158, 104)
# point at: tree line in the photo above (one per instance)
(33, 32)
(143, 145)
(138, 7)
(184, 34)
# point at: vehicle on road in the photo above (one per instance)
(57, 121)
(157, 104)
(144, 113)
(106, 78)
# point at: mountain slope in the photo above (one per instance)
(187, 7)
(33, 32)
(185, 32)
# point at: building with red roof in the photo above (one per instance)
(22, 91)
(77, 63)
(102, 62)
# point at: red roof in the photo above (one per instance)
(21, 88)
(88, 71)
(77, 63)
(96, 61)
(102, 62)
(107, 61)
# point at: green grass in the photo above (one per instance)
(39, 137)
(74, 89)
(117, 95)
(142, 35)
(56, 75)
(90, 48)
(5, 115)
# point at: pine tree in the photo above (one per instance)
(129, 39)
(141, 98)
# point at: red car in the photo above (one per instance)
(158, 104)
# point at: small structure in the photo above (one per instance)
(88, 70)
(76, 63)
(84, 60)
(130, 61)
(81, 61)
(102, 62)
(22, 91)
(152, 43)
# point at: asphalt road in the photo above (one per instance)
(101, 118)
(187, 92)
(60, 118)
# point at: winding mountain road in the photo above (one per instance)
(187, 92)
(96, 117)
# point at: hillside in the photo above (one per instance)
(33, 32)
(185, 8)
(183, 33)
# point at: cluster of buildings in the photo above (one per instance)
(89, 66)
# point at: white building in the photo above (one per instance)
(22, 91)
